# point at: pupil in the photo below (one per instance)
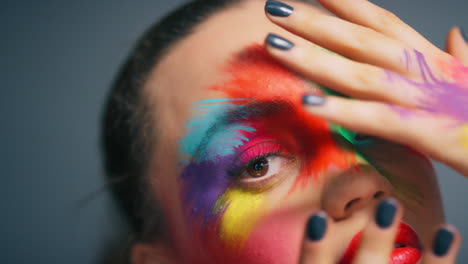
(259, 168)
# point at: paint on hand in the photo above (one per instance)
(455, 70)
(439, 96)
(464, 136)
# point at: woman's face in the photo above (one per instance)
(239, 165)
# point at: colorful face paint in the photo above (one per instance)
(270, 81)
(439, 96)
(262, 104)
(262, 110)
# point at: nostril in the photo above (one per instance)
(378, 195)
(351, 203)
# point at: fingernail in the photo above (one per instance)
(463, 34)
(279, 42)
(276, 8)
(316, 226)
(385, 213)
(442, 242)
(311, 99)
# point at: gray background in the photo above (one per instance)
(57, 60)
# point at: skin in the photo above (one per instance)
(272, 220)
(413, 87)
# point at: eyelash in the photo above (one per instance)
(260, 149)
(256, 159)
(253, 153)
(263, 150)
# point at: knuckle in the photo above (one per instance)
(361, 40)
(364, 78)
(387, 18)
(302, 22)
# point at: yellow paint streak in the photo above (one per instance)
(464, 136)
(241, 211)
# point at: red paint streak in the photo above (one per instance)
(254, 74)
(258, 147)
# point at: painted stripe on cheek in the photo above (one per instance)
(241, 211)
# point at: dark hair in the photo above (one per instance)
(127, 132)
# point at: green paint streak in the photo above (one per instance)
(401, 186)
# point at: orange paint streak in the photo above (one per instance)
(254, 74)
(455, 70)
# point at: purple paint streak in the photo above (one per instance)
(440, 96)
(204, 182)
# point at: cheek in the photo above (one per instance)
(240, 212)
(277, 238)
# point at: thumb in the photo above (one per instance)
(457, 45)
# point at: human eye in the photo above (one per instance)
(262, 165)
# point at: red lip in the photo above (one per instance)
(408, 253)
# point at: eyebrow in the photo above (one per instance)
(248, 112)
(256, 110)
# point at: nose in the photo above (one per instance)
(353, 190)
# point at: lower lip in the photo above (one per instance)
(409, 254)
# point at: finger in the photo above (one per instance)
(369, 15)
(355, 79)
(377, 240)
(316, 248)
(350, 40)
(457, 45)
(445, 246)
(371, 118)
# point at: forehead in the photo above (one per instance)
(198, 62)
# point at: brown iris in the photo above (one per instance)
(258, 168)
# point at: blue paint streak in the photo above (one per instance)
(219, 100)
(210, 145)
(223, 137)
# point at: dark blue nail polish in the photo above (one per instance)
(442, 242)
(385, 213)
(279, 42)
(463, 34)
(276, 8)
(311, 99)
(316, 227)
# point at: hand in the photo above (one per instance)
(404, 88)
(376, 242)
(457, 45)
